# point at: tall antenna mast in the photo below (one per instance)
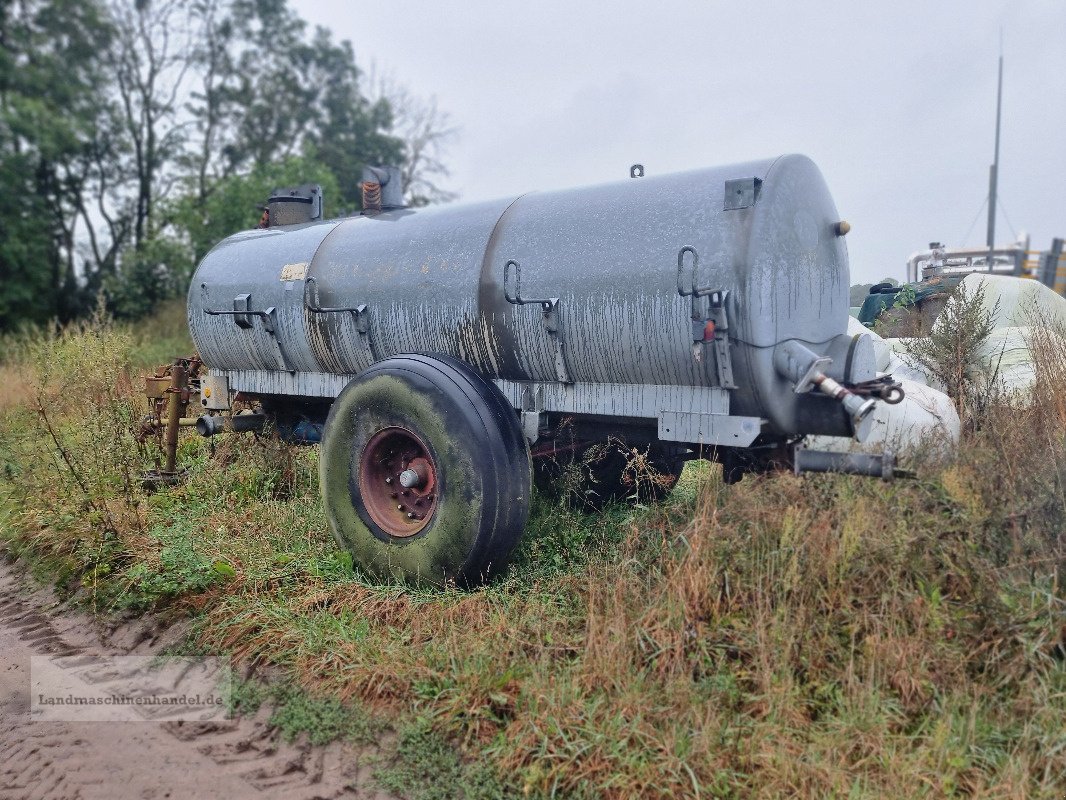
(993, 174)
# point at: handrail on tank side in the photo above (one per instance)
(694, 289)
(240, 315)
(315, 308)
(516, 299)
(549, 308)
(361, 324)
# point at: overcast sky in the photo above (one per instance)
(894, 101)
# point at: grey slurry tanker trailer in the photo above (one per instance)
(448, 357)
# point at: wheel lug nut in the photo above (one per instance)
(388, 480)
(410, 515)
(399, 508)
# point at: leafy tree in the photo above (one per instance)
(27, 243)
(264, 107)
(269, 92)
(351, 132)
(954, 352)
(156, 270)
(149, 60)
(49, 96)
(233, 203)
(134, 134)
(425, 132)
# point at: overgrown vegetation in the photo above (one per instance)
(815, 636)
(135, 135)
(951, 353)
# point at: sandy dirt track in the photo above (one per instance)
(232, 759)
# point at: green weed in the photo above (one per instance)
(295, 713)
(427, 767)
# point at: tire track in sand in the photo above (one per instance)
(231, 759)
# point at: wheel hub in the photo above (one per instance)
(398, 481)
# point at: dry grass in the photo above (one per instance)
(823, 636)
(15, 388)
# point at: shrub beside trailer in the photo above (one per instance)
(448, 357)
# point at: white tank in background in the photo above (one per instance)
(926, 418)
(1021, 309)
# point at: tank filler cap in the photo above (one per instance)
(842, 227)
(295, 205)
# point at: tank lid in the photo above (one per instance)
(296, 204)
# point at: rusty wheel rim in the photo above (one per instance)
(398, 481)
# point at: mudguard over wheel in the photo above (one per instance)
(425, 472)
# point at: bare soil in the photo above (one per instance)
(232, 759)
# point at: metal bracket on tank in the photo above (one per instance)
(243, 313)
(362, 323)
(717, 313)
(713, 323)
(359, 312)
(741, 193)
(532, 412)
(548, 306)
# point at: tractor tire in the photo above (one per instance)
(425, 473)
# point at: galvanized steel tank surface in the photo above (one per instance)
(433, 281)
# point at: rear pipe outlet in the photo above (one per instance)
(806, 370)
(859, 408)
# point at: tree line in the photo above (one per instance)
(135, 134)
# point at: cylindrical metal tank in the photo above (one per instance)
(334, 297)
